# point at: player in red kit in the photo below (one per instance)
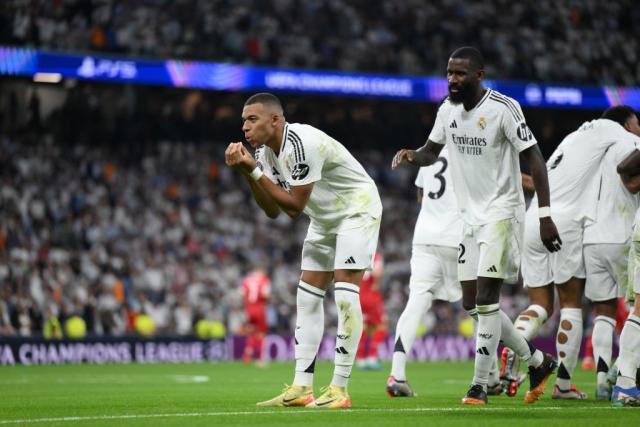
(374, 316)
(255, 290)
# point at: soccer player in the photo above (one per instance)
(434, 257)
(255, 292)
(606, 247)
(626, 392)
(486, 133)
(298, 168)
(374, 316)
(574, 176)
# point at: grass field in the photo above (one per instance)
(225, 394)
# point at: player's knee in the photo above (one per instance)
(469, 306)
(487, 297)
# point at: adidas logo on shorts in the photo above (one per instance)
(350, 260)
(492, 269)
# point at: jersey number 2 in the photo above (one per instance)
(440, 177)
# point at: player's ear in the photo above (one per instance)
(480, 74)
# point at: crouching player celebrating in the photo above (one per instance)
(298, 168)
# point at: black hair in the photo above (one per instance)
(266, 99)
(620, 114)
(472, 54)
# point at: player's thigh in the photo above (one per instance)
(318, 250)
(500, 249)
(468, 254)
(356, 246)
(434, 269)
(634, 263)
(568, 262)
(536, 259)
(601, 283)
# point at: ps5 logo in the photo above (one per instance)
(92, 68)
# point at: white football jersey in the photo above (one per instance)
(616, 205)
(342, 188)
(439, 221)
(574, 169)
(484, 146)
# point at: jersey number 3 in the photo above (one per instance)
(440, 177)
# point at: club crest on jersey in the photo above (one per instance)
(300, 171)
(482, 123)
(524, 133)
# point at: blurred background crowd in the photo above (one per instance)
(115, 200)
(545, 40)
(115, 203)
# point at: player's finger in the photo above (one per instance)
(397, 159)
(549, 245)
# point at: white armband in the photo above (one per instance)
(256, 174)
(544, 212)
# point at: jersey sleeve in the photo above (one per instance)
(264, 163)
(420, 178)
(515, 127)
(438, 134)
(306, 156)
(622, 149)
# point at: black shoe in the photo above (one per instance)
(475, 396)
(538, 378)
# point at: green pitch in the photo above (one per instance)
(225, 394)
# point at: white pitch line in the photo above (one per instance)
(293, 412)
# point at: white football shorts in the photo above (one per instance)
(351, 247)
(434, 269)
(490, 250)
(541, 267)
(606, 266)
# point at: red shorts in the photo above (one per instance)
(373, 313)
(257, 318)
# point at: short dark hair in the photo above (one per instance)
(266, 99)
(472, 54)
(620, 114)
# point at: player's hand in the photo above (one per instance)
(549, 234)
(402, 156)
(239, 158)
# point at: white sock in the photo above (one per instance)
(417, 305)
(347, 297)
(528, 325)
(602, 339)
(494, 372)
(513, 339)
(487, 340)
(309, 331)
(629, 359)
(568, 342)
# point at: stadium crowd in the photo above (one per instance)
(565, 41)
(118, 202)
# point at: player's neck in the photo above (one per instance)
(471, 104)
(276, 143)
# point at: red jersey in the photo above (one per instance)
(255, 289)
(369, 284)
(371, 300)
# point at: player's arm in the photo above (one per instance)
(423, 156)
(266, 203)
(420, 195)
(548, 231)
(292, 203)
(629, 170)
